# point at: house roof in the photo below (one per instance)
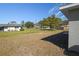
(69, 6)
(9, 25)
(71, 11)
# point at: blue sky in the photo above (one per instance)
(28, 12)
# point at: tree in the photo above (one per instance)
(43, 22)
(23, 23)
(29, 24)
(65, 22)
(53, 22)
(40, 23)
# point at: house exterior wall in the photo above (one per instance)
(73, 16)
(65, 27)
(12, 28)
(18, 29)
(73, 33)
(5, 29)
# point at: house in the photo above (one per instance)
(64, 26)
(38, 26)
(71, 11)
(10, 27)
(46, 27)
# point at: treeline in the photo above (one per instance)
(27, 24)
(51, 22)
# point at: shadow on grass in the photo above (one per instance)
(61, 40)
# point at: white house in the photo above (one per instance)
(10, 27)
(71, 11)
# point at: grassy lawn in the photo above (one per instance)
(8, 34)
(27, 31)
(28, 43)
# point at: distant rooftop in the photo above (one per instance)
(9, 25)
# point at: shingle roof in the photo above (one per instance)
(9, 25)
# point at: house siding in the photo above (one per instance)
(73, 15)
(73, 33)
(12, 29)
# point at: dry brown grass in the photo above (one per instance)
(29, 44)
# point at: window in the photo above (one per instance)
(16, 27)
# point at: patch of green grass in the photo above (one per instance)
(27, 31)
(26, 44)
(53, 31)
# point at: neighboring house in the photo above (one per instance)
(64, 26)
(10, 27)
(46, 27)
(36, 26)
(71, 11)
(43, 27)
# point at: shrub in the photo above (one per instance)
(22, 29)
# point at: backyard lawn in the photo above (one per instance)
(27, 31)
(28, 42)
(8, 34)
